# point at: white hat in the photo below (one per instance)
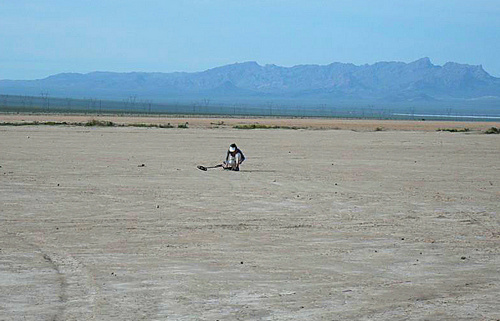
(232, 148)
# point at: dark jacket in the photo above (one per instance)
(236, 152)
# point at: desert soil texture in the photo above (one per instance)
(117, 223)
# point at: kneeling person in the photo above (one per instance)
(234, 158)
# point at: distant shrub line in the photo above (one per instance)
(105, 123)
(454, 130)
(92, 123)
(34, 123)
(151, 125)
(97, 123)
(260, 126)
(492, 130)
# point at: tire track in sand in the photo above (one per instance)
(78, 292)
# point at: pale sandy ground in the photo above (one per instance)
(319, 225)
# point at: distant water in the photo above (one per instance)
(449, 116)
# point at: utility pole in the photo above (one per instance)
(23, 100)
(125, 102)
(30, 100)
(132, 102)
(4, 97)
(147, 103)
(45, 98)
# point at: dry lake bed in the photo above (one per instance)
(117, 223)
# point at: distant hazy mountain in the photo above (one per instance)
(419, 81)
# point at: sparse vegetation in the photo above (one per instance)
(260, 126)
(168, 125)
(53, 123)
(35, 123)
(142, 125)
(150, 125)
(185, 125)
(492, 130)
(15, 124)
(454, 130)
(91, 123)
(379, 129)
(99, 123)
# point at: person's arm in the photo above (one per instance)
(242, 156)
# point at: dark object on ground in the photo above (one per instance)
(203, 168)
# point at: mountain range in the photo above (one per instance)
(384, 82)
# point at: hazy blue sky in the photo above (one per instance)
(40, 38)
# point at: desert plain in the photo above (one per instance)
(366, 220)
